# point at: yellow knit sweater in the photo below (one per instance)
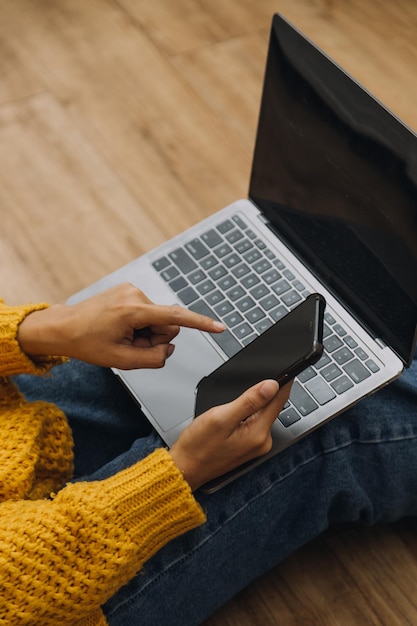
(62, 556)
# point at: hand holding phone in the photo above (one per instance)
(281, 352)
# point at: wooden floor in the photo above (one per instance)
(124, 121)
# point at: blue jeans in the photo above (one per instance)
(360, 467)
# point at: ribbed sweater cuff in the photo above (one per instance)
(12, 358)
(154, 502)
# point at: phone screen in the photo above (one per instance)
(281, 352)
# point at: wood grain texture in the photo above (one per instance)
(122, 122)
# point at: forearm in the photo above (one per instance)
(81, 547)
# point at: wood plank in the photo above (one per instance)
(157, 142)
(66, 218)
(233, 93)
(185, 25)
(373, 558)
(16, 81)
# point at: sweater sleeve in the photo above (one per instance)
(12, 359)
(61, 559)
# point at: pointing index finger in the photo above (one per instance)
(168, 315)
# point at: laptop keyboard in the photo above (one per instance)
(229, 273)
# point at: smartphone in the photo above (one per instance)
(284, 350)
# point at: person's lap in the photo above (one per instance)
(361, 466)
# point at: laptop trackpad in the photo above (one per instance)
(168, 394)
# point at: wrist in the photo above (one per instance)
(190, 476)
(42, 333)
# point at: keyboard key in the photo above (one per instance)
(329, 318)
(247, 340)
(217, 272)
(259, 292)
(291, 298)
(233, 319)
(338, 328)
(234, 236)
(245, 304)
(361, 354)
(356, 371)
(343, 355)
(327, 331)
(197, 249)
(211, 238)
(225, 226)
(226, 283)
(288, 417)
(261, 244)
(235, 293)
(332, 343)
(238, 220)
(201, 307)
(242, 331)
(330, 372)
(350, 342)
(241, 270)
(169, 273)
(254, 315)
(208, 262)
(301, 400)
(243, 246)
(227, 342)
(261, 266)
(279, 312)
(298, 285)
(320, 390)
(269, 302)
(205, 287)
(196, 277)
(183, 260)
(252, 256)
(224, 340)
(161, 264)
(223, 309)
(288, 274)
(372, 366)
(281, 287)
(324, 360)
(263, 325)
(342, 384)
(188, 295)
(214, 297)
(178, 283)
(306, 374)
(223, 250)
(279, 264)
(271, 277)
(232, 260)
(250, 280)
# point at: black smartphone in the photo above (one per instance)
(281, 352)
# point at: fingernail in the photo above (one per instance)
(170, 350)
(269, 389)
(218, 325)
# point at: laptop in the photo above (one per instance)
(331, 209)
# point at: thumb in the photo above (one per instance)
(252, 400)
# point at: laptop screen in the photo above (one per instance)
(336, 175)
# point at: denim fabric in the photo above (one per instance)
(360, 467)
